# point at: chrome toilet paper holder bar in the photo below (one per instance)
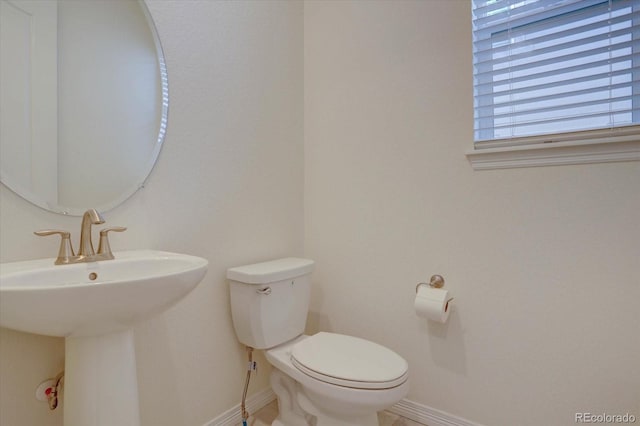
(436, 281)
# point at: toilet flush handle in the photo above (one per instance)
(266, 291)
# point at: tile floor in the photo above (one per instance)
(265, 416)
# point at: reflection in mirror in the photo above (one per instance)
(83, 101)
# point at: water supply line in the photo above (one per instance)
(251, 366)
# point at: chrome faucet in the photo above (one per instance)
(86, 253)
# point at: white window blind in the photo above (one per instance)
(546, 67)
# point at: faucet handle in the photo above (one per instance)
(65, 252)
(104, 249)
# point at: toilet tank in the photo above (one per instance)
(270, 300)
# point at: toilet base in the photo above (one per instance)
(296, 409)
(322, 418)
(289, 411)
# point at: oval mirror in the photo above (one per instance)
(83, 101)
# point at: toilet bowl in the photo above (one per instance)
(348, 387)
(326, 379)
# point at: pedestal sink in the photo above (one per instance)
(94, 306)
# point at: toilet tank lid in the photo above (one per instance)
(271, 271)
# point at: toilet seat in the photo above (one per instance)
(349, 361)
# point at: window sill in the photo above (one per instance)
(555, 154)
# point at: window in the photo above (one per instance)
(559, 71)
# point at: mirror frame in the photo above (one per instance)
(34, 199)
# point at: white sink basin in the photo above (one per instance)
(94, 306)
(94, 298)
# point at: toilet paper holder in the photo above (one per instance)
(436, 281)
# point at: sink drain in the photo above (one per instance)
(93, 276)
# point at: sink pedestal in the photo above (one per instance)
(100, 384)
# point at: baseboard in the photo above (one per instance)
(411, 410)
(232, 416)
(427, 415)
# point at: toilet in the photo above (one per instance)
(326, 379)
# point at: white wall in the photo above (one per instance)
(543, 262)
(228, 187)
